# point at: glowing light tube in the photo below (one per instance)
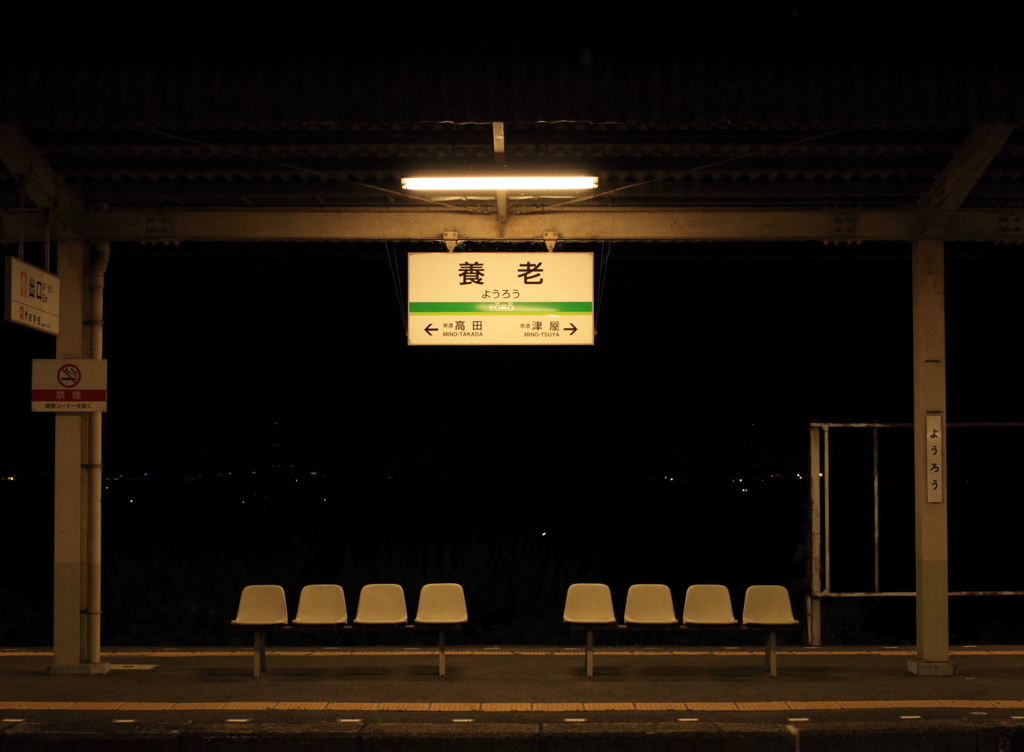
(502, 183)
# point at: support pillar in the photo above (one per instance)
(70, 483)
(930, 469)
(67, 477)
(814, 541)
(94, 453)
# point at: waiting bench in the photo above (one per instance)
(766, 608)
(263, 608)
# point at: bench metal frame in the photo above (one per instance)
(259, 657)
(770, 649)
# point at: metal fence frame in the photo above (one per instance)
(818, 511)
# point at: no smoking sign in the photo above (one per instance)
(69, 375)
(69, 387)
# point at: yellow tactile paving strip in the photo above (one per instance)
(711, 706)
(573, 652)
(762, 706)
(504, 707)
(456, 706)
(556, 707)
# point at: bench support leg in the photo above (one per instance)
(259, 654)
(440, 652)
(769, 656)
(590, 652)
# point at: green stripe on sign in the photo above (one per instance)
(501, 308)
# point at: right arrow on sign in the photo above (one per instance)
(571, 329)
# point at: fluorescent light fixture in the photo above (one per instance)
(503, 183)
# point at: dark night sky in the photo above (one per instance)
(710, 358)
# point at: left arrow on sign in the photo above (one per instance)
(429, 331)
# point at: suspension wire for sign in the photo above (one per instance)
(21, 218)
(46, 244)
(602, 271)
(396, 279)
(602, 278)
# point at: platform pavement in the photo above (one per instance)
(531, 698)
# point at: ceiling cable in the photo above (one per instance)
(318, 173)
(686, 172)
(481, 210)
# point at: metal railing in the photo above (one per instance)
(820, 524)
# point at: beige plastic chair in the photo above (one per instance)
(768, 606)
(708, 605)
(261, 606)
(442, 606)
(589, 605)
(441, 603)
(381, 605)
(321, 606)
(650, 606)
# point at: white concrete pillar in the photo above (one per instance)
(70, 490)
(930, 471)
(67, 474)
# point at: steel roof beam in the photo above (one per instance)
(570, 224)
(43, 187)
(958, 179)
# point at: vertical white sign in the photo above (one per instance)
(933, 458)
(31, 296)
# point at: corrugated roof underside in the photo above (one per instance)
(694, 94)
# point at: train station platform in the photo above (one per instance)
(516, 698)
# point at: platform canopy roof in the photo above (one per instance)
(717, 147)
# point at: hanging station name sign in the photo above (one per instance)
(501, 299)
